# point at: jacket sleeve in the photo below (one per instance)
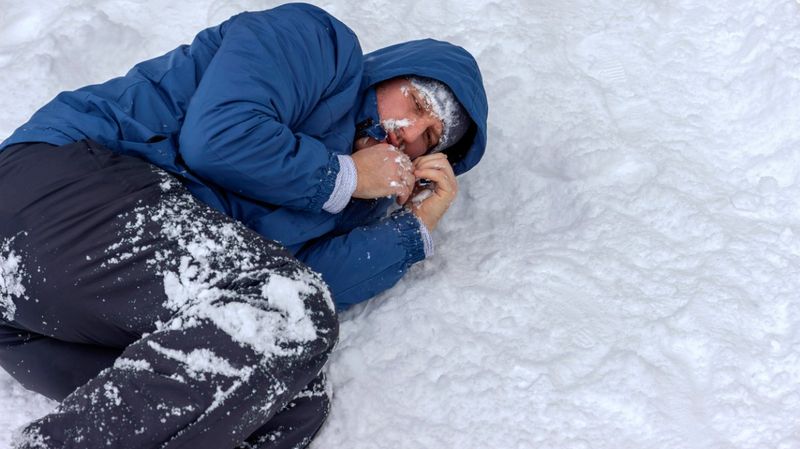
(270, 73)
(367, 260)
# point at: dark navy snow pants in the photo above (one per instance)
(156, 321)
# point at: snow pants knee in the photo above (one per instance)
(159, 321)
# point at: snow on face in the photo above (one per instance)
(440, 101)
(11, 277)
(395, 124)
(407, 117)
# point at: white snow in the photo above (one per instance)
(621, 271)
(216, 255)
(394, 124)
(286, 295)
(130, 364)
(112, 393)
(267, 320)
(11, 276)
(201, 361)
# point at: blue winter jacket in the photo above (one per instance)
(251, 117)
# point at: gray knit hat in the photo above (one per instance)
(445, 105)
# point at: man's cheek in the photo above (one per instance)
(413, 151)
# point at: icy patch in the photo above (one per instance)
(11, 277)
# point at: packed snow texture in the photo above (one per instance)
(620, 271)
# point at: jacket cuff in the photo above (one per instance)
(410, 235)
(427, 240)
(345, 185)
(326, 184)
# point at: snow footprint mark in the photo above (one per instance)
(609, 70)
(596, 56)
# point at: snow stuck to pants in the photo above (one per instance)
(217, 353)
(218, 254)
(621, 271)
(11, 278)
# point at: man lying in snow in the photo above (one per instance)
(162, 321)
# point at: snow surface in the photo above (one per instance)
(621, 271)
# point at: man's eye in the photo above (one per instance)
(419, 107)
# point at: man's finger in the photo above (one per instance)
(442, 180)
(402, 194)
(409, 179)
(440, 164)
(430, 157)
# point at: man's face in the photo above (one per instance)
(407, 117)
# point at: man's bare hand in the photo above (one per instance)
(443, 192)
(383, 170)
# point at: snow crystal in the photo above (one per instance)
(112, 393)
(176, 411)
(287, 295)
(139, 365)
(11, 277)
(395, 124)
(199, 361)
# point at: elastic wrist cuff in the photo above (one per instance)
(345, 185)
(427, 240)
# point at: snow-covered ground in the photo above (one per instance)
(621, 271)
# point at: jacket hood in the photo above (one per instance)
(449, 64)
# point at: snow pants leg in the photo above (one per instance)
(216, 329)
(56, 368)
